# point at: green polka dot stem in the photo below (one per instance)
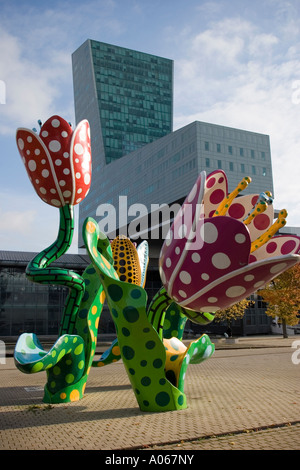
(68, 362)
(38, 271)
(166, 316)
(141, 348)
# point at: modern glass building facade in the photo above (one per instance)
(134, 93)
(27, 306)
(127, 97)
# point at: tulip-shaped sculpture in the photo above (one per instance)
(156, 370)
(221, 248)
(58, 163)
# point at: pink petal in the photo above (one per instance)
(216, 189)
(277, 246)
(240, 284)
(174, 250)
(241, 207)
(210, 257)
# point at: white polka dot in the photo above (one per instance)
(185, 277)
(28, 152)
(208, 351)
(240, 238)
(37, 151)
(182, 231)
(66, 154)
(205, 276)
(78, 200)
(78, 175)
(37, 181)
(45, 173)
(168, 262)
(85, 165)
(209, 308)
(177, 250)
(78, 149)
(278, 267)
(62, 183)
(32, 165)
(66, 171)
(235, 291)
(220, 261)
(29, 138)
(54, 146)
(162, 275)
(209, 232)
(53, 191)
(43, 190)
(169, 238)
(212, 300)
(67, 193)
(196, 257)
(55, 202)
(58, 162)
(249, 277)
(259, 284)
(43, 161)
(79, 190)
(182, 293)
(64, 134)
(55, 123)
(192, 193)
(87, 178)
(21, 144)
(44, 134)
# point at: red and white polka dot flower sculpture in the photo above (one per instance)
(58, 160)
(221, 248)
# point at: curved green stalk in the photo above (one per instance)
(38, 271)
(68, 362)
(142, 350)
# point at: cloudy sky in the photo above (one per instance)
(236, 63)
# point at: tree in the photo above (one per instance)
(283, 298)
(232, 313)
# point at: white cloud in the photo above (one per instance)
(28, 224)
(239, 76)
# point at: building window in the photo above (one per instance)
(218, 148)
(206, 145)
(241, 152)
(230, 149)
(207, 162)
(242, 167)
(253, 170)
(263, 155)
(264, 172)
(219, 163)
(230, 166)
(252, 154)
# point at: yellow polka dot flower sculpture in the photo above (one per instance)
(58, 163)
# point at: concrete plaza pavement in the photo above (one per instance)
(245, 397)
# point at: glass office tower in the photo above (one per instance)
(127, 97)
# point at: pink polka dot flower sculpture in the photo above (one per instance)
(58, 160)
(222, 247)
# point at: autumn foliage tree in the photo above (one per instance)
(232, 313)
(283, 298)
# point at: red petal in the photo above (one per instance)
(81, 161)
(38, 166)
